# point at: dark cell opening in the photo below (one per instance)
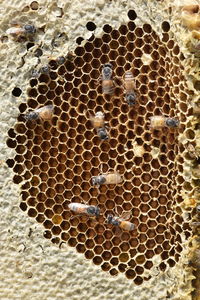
(91, 26)
(38, 52)
(165, 26)
(16, 92)
(79, 40)
(132, 14)
(29, 45)
(10, 163)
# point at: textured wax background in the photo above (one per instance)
(31, 267)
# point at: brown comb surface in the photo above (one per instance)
(55, 160)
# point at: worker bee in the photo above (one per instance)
(157, 122)
(129, 86)
(190, 16)
(106, 77)
(44, 70)
(198, 208)
(70, 56)
(18, 32)
(80, 208)
(60, 59)
(102, 133)
(121, 222)
(107, 178)
(44, 113)
(192, 151)
(98, 122)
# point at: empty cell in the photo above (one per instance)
(159, 239)
(23, 206)
(65, 226)
(161, 228)
(72, 242)
(32, 212)
(149, 254)
(56, 230)
(146, 177)
(170, 44)
(42, 89)
(106, 255)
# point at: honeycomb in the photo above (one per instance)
(55, 161)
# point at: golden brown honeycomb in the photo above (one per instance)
(55, 161)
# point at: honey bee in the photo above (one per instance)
(198, 208)
(106, 77)
(70, 56)
(102, 133)
(190, 17)
(158, 122)
(60, 59)
(121, 222)
(107, 178)
(44, 113)
(44, 70)
(18, 32)
(98, 122)
(80, 208)
(193, 151)
(129, 86)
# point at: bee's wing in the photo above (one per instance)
(126, 215)
(15, 23)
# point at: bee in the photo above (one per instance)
(196, 108)
(18, 32)
(60, 59)
(121, 222)
(198, 208)
(193, 151)
(106, 77)
(129, 86)
(44, 113)
(98, 119)
(70, 56)
(158, 122)
(98, 122)
(107, 178)
(102, 133)
(44, 70)
(190, 17)
(80, 208)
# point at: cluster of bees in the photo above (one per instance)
(45, 113)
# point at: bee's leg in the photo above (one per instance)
(107, 127)
(115, 211)
(126, 215)
(98, 80)
(118, 81)
(60, 245)
(149, 125)
(87, 114)
(94, 220)
(74, 216)
(101, 168)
